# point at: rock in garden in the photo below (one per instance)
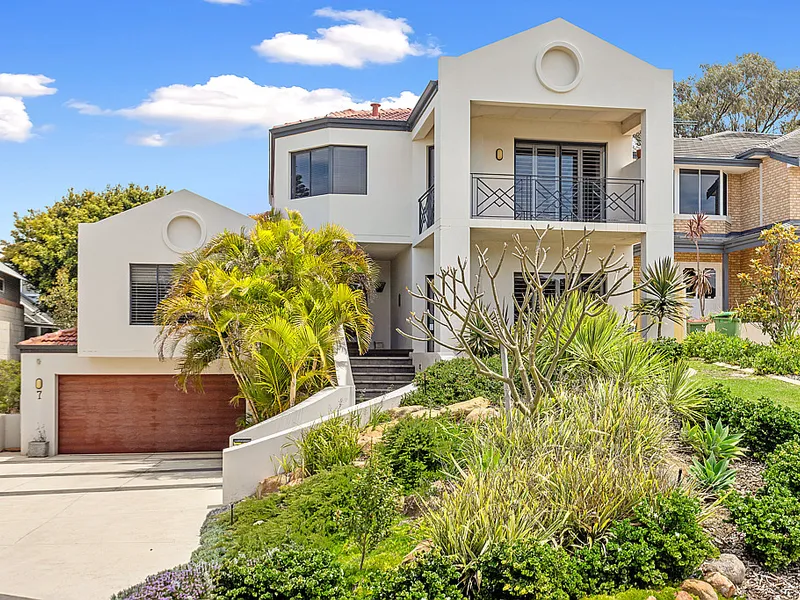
(482, 414)
(701, 589)
(728, 565)
(402, 411)
(721, 584)
(462, 409)
(370, 436)
(650, 598)
(422, 548)
(681, 595)
(426, 413)
(270, 485)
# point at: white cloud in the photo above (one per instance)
(20, 85)
(15, 124)
(230, 106)
(240, 2)
(366, 37)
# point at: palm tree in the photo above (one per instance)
(663, 294)
(272, 302)
(699, 282)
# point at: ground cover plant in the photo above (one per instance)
(774, 359)
(451, 381)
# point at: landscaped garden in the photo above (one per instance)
(559, 457)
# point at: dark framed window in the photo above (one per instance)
(149, 285)
(711, 276)
(553, 289)
(329, 170)
(702, 191)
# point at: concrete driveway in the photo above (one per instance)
(84, 527)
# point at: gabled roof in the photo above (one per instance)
(739, 146)
(67, 338)
(384, 114)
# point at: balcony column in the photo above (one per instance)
(657, 172)
(452, 141)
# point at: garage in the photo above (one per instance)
(143, 413)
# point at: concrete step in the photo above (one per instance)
(363, 371)
(383, 378)
(380, 362)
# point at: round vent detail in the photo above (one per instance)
(184, 232)
(559, 66)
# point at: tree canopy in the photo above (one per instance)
(749, 94)
(44, 243)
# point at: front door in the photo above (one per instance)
(714, 296)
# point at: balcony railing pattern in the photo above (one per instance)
(426, 209)
(535, 198)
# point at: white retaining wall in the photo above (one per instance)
(243, 467)
(9, 432)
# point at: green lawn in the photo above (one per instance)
(749, 386)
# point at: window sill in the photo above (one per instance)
(684, 217)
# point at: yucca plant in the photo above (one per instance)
(683, 394)
(714, 440)
(663, 294)
(715, 475)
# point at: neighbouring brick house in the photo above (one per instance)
(744, 182)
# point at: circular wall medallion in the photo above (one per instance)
(184, 232)
(559, 66)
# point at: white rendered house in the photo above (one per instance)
(531, 131)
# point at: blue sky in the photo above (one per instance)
(182, 92)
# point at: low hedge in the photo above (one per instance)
(449, 381)
(776, 359)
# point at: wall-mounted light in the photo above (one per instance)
(39, 383)
(498, 154)
(380, 287)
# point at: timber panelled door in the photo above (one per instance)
(559, 182)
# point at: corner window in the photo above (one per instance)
(2, 285)
(329, 170)
(149, 285)
(702, 191)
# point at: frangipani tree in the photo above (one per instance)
(462, 310)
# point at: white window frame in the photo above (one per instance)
(676, 186)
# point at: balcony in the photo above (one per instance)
(536, 198)
(426, 209)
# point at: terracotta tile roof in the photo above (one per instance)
(63, 337)
(384, 114)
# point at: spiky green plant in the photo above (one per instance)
(663, 294)
(715, 475)
(683, 394)
(329, 444)
(714, 440)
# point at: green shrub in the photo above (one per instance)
(527, 570)
(669, 348)
(450, 381)
(716, 347)
(282, 574)
(764, 424)
(778, 359)
(430, 577)
(770, 522)
(416, 450)
(783, 467)
(714, 440)
(713, 474)
(662, 544)
(9, 386)
(310, 514)
(374, 508)
(331, 443)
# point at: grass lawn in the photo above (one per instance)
(749, 386)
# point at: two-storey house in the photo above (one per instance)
(529, 132)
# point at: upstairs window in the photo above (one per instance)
(329, 170)
(149, 285)
(703, 191)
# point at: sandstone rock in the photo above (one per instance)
(402, 411)
(481, 414)
(681, 595)
(422, 548)
(721, 584)
(728, 565)
(651, 598)
(270, 485)
(462, 409)
(371, 436)
(426, 413)
(699, 588)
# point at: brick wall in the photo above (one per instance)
(692, 257)
(738, 262)
(714, 225)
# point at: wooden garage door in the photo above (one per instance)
(143, 413)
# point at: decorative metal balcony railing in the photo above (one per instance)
(535, 198)
(426, 209)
